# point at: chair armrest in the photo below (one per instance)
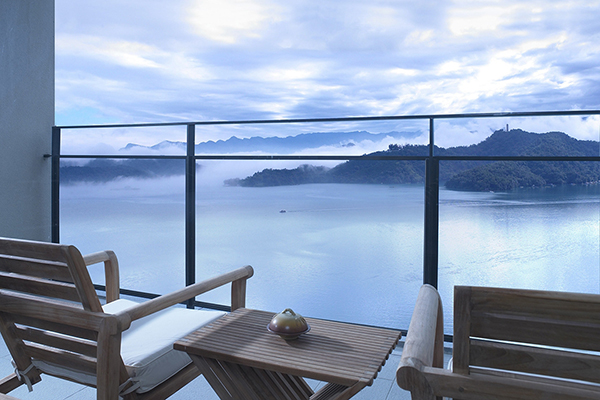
(424, 345)
(111, 271)
(236, 277)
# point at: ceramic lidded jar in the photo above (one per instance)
(288, 324)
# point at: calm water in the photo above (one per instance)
(346, 252)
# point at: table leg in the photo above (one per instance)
(218, 379)
(333, 391)
(232, 381)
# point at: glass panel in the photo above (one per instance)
(349, 252)
(521, 224)
(538, 238)
(329, 238)
(144, 140)
(333, 138)
(142, 220)
(518, 136)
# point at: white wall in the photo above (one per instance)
(26, 116)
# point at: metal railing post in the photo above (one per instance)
(190, 210)
(55, 186)
(431, 228)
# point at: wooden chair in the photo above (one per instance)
(53, 322)
(508, 344)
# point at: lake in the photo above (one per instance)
(339, 251)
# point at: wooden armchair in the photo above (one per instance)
(508, 344)
(53, 322)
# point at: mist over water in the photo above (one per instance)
(345, 252)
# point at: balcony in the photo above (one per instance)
(422, 251)
(192, 263)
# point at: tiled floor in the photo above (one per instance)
(384, 387)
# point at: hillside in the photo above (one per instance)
(105, 170)
(458, 175)
(501, 176)
(281, 177)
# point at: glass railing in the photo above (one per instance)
(325, 219)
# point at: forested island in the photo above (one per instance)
(457, 175)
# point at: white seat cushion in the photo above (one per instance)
(147, 346)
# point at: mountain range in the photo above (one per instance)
(280, 145)
(105, 170)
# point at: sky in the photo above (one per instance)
(140, 61)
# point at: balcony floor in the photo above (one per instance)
(384, 387)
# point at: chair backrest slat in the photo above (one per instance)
(42, 287)
(31, 249)
(535, 360)
(569, 320)
(538, 332)
(49, 261)
(35, 267)
(44, 313)
(72, 343)
(67, 360)
(52, 326)
(523, 329)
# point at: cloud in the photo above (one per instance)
(119, 52)
(147, 61)
(228, 21)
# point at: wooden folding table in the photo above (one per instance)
(242, 360)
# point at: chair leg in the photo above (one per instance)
(9, 383)
(168, 388)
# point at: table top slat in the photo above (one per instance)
(332, 351)
(357, 357)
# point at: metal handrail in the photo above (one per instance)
(344, 119)
(431, 201)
